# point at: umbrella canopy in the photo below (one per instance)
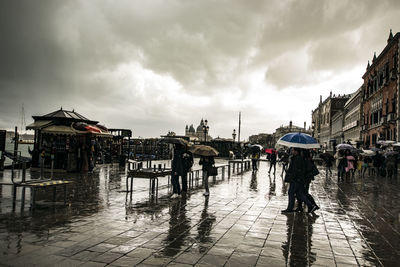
(368, 153)
(176, 141)
(299, 140)
(375, 149)
(270, 151)
(396, 144)
(344, 147)
(255, 148)
(386, 142)
(203, 150)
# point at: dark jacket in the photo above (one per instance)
(187, 160)
(296, 171)
(177, 162)
(273, 158)
(311, 170)
(206, 162)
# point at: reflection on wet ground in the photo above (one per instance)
(239, 224)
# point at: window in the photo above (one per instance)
(393, 105)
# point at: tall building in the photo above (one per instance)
(381, 95)
(322, 118)
(352, 118)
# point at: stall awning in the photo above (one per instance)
(59, 129)
(37, 125)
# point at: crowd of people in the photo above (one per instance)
(350, 163)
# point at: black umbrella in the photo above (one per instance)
(176, 141)
(255, 148)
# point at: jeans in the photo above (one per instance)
(254, 164)
(205, 181)
(184, 182)
(307, 195)
(176, 189)
(296, 190)
(270, 167)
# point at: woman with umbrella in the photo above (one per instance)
(207, 162)
(349, 169)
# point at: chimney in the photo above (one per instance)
(304, 126)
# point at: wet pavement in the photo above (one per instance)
(239, 224)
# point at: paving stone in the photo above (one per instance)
(235, 226)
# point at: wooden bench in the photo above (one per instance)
(42, 184)
(151, 174)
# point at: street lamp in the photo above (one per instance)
(234, 135)
(205, 130)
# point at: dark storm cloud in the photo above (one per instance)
(153, 64)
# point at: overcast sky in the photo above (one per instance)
(153, 66)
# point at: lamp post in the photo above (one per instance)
(206, 128)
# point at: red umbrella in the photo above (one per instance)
(270, 151)
(92, 129)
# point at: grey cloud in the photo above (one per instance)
(57, 53)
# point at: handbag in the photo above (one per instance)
(212, 171)
(288, 178)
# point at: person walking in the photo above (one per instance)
(295, 176)
(328, 161)
(272, 162)
(187, 161)
(311, 172)
(285, 162)
(254, 160)
(341, 163)
(177, 170)
(349, 169)
(206, 162)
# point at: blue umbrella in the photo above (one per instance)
(300, 140)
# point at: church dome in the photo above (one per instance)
(200, 127)
(191, 129)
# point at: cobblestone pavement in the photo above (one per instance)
(239, 224)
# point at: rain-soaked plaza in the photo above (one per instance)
(239, 224)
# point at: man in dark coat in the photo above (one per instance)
(295, 175)
(187, 162)
(177, 170)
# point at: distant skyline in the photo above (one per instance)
(156, 66)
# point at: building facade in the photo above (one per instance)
(337, 136)
(352, 118)
(380, 95)
(322, 118)
(198, 134)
